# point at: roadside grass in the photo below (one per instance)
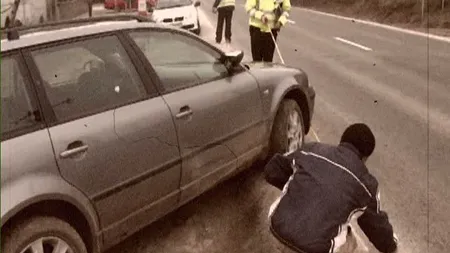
(407, 13)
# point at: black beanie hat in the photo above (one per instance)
(360, 136)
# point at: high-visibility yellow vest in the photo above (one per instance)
(257, 8)
(224, 3)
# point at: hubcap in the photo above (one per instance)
(48, 245)
(294, 132)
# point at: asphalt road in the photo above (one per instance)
(397, 83)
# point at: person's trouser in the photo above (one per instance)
(279, 247)
(262, 44)
(225, 15)
(350, 246)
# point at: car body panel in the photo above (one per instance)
(211, 138)
(41, 37)
(30, 175)
(275, 81)
(146, 129)
(118, 165)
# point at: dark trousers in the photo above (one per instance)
(262, 44)
(225, 14)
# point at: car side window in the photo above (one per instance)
(179, 60)
(86, 77)
(18, 112)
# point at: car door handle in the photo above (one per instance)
(74, 151)
(184, 111)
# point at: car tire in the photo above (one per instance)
(51, 231)
(283, 129)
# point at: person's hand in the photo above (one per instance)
(214, 10)
(278, 25)
(264, 19)
(397, 249)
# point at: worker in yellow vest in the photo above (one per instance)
(266, 16)
(225, 9)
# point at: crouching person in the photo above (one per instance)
(323, 188)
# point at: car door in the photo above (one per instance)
(113, 136)
(217, 115)
(26, 150)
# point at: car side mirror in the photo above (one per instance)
(197, 3)
(232, 59)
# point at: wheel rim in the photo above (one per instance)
(294, 132)
(48, 245)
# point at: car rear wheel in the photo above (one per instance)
(288, 131)
(42, 235)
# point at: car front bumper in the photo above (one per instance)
(190, 24)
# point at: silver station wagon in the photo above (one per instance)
(110, 123)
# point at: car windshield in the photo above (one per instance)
(165, 4)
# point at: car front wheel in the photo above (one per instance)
(288, 129)
(42, 235)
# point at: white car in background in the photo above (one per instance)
(179, 13)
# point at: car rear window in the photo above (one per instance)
(54, 70)
(18, 113)
(87, 77)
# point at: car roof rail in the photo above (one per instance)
(13, 31)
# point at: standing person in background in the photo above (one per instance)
(225, 9)
(266, 16)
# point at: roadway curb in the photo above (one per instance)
(389, 27)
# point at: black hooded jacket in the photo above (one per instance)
(323, 186)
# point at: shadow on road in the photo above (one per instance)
(229, 218)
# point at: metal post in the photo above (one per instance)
(116, 6)
(90, 7)
(423, 9)
(14, 12)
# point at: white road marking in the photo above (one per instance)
(353, 44)
(388, 27)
